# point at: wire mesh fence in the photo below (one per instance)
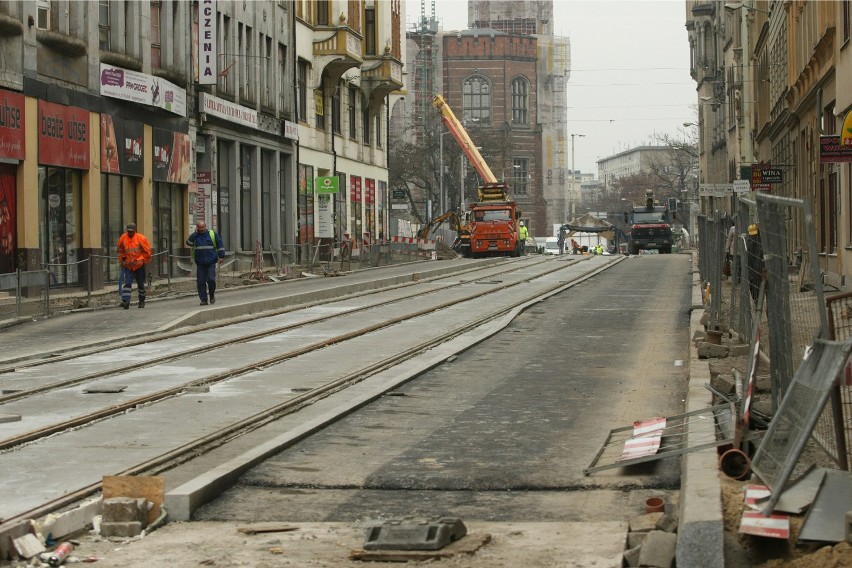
(771, 239)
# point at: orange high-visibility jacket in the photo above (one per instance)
(133, 252)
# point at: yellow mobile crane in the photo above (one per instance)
(493, 227)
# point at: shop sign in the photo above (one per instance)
(12, 125)
(232, 112)
(63, 136)
(846, 131)
(326, 185)
(742, 186)
(121, 146)
(207, 42)
(291, 130)
(831, 152)
(172, 155)
(370, 196)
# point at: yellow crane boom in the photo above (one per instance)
(460, 134)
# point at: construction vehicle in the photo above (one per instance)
(650, 226)
(494, 217)
(462, 227)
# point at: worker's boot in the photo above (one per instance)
(141, 302)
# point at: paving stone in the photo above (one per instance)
(645, 523)
(667, 523)
(10, 418)
(631, 556)
(711, 351)
(658, 550)
(725, 384)
(635, 539)
(739, 350)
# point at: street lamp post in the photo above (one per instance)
(441, 201)
(573, 177)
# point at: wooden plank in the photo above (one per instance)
(152, 488)
(266, 528)
(466, 545)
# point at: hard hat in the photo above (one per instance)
(522, 223)
(752, 230)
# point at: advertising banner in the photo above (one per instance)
(121, 146)
(204, 203)
(63, 136)
(8, 219)
(12, 125)
(325, 216)
(355, 189)
(143, 89)
(172, 155)
(207, 74)
(370, 196)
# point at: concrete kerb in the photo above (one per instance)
(701, 529)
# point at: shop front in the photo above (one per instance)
(171, 176)
(12, 153)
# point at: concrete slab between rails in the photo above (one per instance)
(701, 531)
(183, 501)
(210, 313)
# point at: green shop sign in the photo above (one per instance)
(326, 184)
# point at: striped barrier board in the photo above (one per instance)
(773, 526)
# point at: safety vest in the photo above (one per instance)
(212, 246)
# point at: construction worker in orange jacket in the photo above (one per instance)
(134, 252)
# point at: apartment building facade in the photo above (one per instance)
(773, 83)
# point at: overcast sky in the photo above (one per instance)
(629, 70)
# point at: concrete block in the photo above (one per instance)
(635, 539)
(739, 350)
(667, 523)
(725, 384)
(705, 318)
(123, 510)
(121, 530)
(658, 550)
(645, 523)
(711, 351)
(631, 556)
(10, 418)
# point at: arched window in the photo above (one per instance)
(520, 100)
(477, 100)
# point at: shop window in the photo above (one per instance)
(61, 224)
(246, 204)
(118, 207)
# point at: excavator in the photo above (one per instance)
(493, 223)
(461, 226)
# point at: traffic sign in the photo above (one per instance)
(742, 186)
(399, 194)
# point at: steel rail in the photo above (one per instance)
(224, 435)
(106, 412)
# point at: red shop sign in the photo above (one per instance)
(63, 136)
(12, 125)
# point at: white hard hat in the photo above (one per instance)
(522, 223)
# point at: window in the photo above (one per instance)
(379, 129)
(336, 111)
(43, 11)
(319, 105)
(521, 176)
(103, 25)
(302, 90)
(520, 89)
(323, 9)
(282, 77)
(370, 31)
(847, 20)
(155, 34)
(476, 100)
(353, 94)
(365, 124)
(227, 83)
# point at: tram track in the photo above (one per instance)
(210, 346)
(241, 427)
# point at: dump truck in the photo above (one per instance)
(650, 226)
(495, 215)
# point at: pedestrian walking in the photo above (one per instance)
(207, 251)
(134, 252)
(523, 233)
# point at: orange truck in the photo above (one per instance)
(494, 217)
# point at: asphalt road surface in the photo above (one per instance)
(503, 431)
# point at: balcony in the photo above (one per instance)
(381, 76)
(338, 51)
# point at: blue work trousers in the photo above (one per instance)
(125, 282)
(205, 276)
